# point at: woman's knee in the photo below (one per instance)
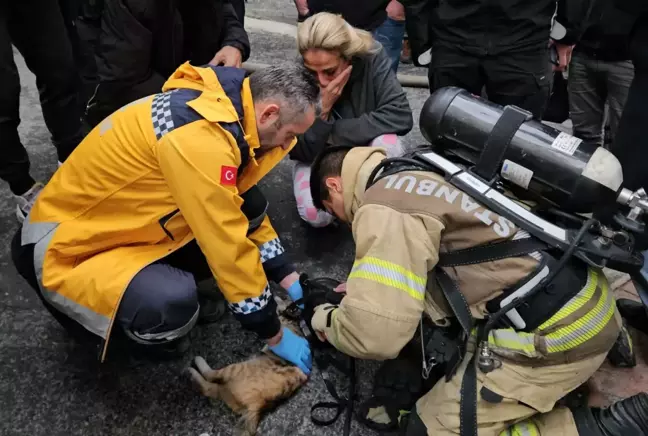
(391, 143)
(305, 207)
(313, 216)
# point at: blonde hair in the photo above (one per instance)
(326, 31)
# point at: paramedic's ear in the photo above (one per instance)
(268, 114)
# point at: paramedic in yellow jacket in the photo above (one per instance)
(161, 194)
(401, 225)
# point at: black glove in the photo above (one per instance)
(317, 292)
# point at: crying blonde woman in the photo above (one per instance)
(362, 102)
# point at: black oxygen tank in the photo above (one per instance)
(557, 167)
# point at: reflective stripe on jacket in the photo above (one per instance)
(147, 180)
(400, 225)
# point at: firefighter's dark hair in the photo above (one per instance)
(327, 164)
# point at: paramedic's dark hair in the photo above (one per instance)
(291, 83)
(327, 164)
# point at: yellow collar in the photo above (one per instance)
(213, 104)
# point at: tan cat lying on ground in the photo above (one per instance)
(252, 386)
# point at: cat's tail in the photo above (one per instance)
(209, 381)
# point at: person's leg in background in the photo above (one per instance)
(14, 161)
(452, 66)
(619, 77)
(522, 79)
(70, 11)
(301, 182)
(391, 32)
(630, 138)
(587, 95)
(38, 31)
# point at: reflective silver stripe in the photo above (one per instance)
(172, 334)
(270, 250)
(41, 234)
(507, 341)
(31, 233)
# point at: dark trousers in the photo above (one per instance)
(518, 78)
(630, 145)
(593, 83)
(37, 30)
(160, 302)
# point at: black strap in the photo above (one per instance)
(455, 298)
(459, 305)
(340, 404)
(468, 401)
(498, 141)
(395, 165)
(490, 252)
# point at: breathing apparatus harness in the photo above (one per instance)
(549, 287)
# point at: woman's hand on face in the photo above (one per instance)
(332, 91)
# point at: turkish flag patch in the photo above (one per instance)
(228, 176)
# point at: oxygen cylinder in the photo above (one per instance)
(555, 166)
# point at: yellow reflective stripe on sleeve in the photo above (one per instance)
(586, 327)
(524, 428)
(389, 274)
(509, 339)
(578, 301)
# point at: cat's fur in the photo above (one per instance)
(251, 386)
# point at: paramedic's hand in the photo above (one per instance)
(293, 348)
(291, 284)
(331, 92)
(228, 56)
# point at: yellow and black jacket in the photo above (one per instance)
(149, 179)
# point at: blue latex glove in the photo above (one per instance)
(296, 292)
(294, 349)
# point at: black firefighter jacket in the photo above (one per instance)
(142, 42)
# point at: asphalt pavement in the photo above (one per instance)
(51, 386)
